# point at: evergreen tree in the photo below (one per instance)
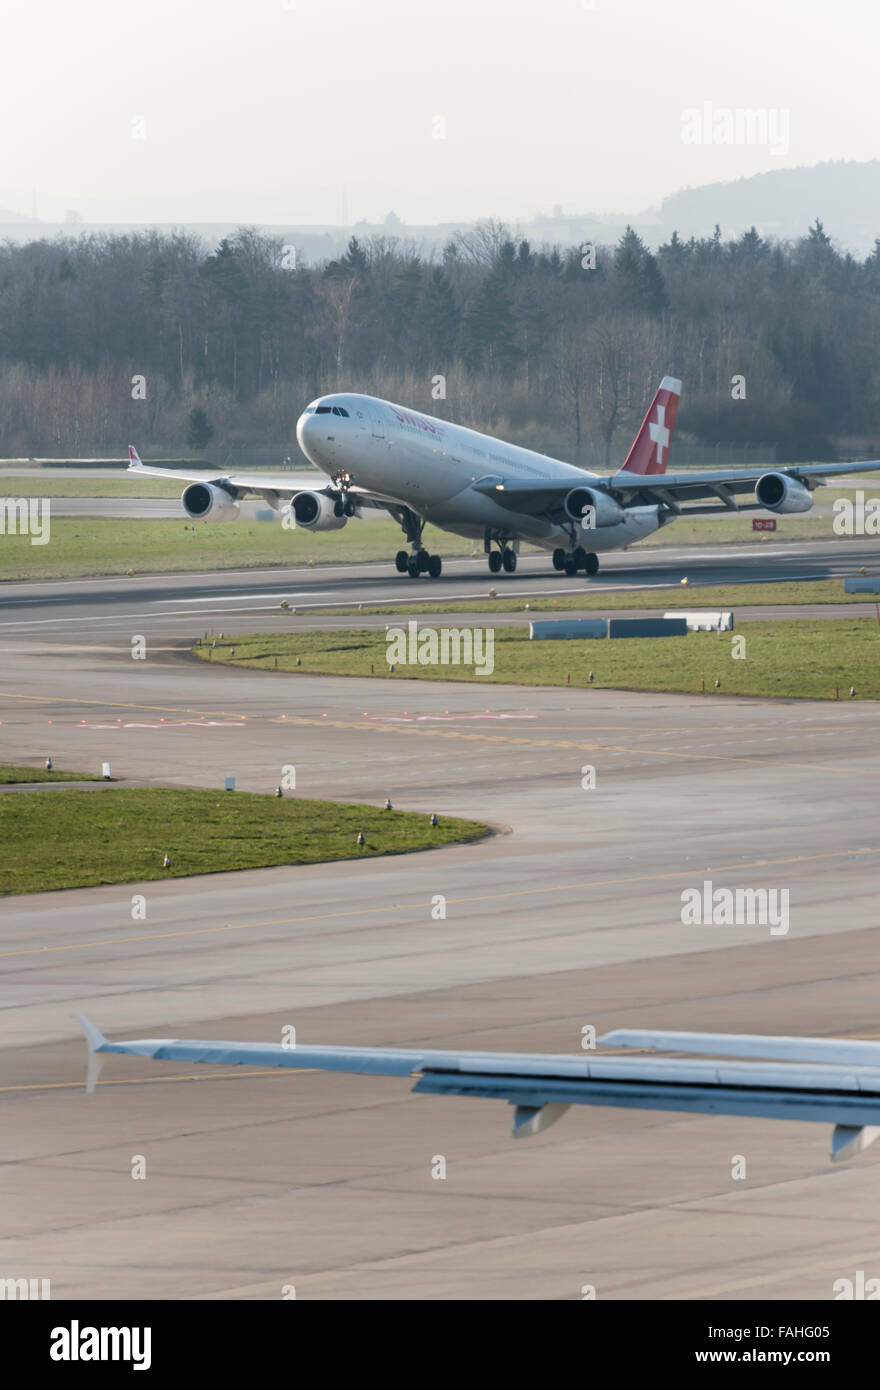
(199, 430)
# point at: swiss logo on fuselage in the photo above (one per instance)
(416, 421)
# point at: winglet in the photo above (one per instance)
(133, 460)
(95, 1041)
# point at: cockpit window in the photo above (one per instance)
(309, 410)
(323, 410)
(340, 410)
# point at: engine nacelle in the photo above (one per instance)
(315, 511)
(205, 502)
(592, 507)
(780, 493)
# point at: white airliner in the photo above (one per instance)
(421, 469)
(835, 1080)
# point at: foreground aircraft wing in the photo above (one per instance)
(269, 486)
(723, 485)
(832, 1080)
(667, 490)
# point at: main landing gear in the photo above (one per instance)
(419, 562)
(573, 560)
(416, 561)
(503, 559)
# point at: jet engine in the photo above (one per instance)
(206, 502)
(780, 493)
(315, 511)
(592, 507)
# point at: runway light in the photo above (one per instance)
(685, 581)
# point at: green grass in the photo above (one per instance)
(11, 775)
(586, 597)
(105, 546)
(81, 546)
(74, 839)
(54, 484)
(799, 658)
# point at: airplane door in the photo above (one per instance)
(378, 423)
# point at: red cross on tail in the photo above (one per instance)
(650, 451)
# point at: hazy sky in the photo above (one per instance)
(266, 110)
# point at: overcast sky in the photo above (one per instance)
(271, 110)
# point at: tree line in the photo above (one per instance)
(156, 338)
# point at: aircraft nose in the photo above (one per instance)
(302, 428)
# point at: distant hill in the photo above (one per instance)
(782, 204)
(845, 195)
(8, 218)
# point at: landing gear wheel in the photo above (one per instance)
(559, 559)
(401, 560)
(412, 567)
(435, 565)
(570, 565)
(423, 560)
(580, 557)
(508, 560)
(591, 564)
(494, 561)
(349, 506)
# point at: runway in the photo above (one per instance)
(177, 605)
(569, 916)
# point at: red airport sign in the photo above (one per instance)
(764, 523)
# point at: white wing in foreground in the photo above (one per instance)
(832, 1080)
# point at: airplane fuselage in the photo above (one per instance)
(430, 466)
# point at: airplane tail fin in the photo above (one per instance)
(133, 460)
(650, 450)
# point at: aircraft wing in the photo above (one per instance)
(665, 489)
(839, 1088)
(271, 487)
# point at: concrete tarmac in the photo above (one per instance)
(569, 916)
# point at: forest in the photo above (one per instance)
(155, 338)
